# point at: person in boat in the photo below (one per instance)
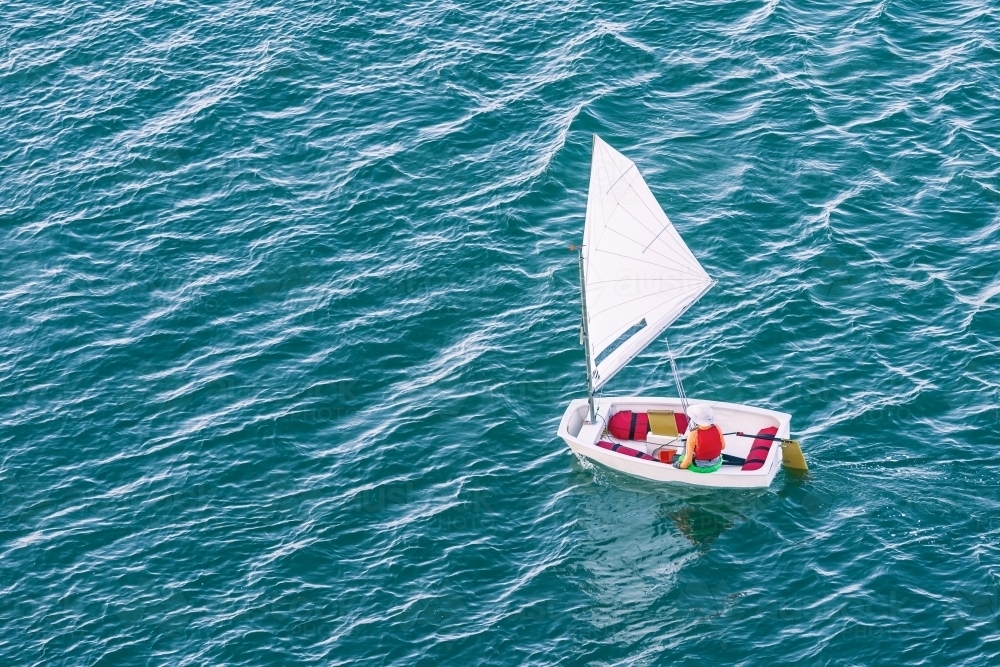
(705, 441)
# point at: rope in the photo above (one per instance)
(677, 380)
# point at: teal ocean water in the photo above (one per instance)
(289, 320)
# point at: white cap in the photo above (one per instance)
(701, 415)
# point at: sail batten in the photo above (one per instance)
(639, 276)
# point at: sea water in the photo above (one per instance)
(289, 319)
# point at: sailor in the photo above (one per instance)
(705, 441)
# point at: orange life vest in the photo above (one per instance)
(708, 443)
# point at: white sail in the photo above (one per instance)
(639, 276)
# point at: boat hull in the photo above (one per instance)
(582, 439)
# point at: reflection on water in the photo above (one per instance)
(628, 545)
(637, 536)
(650, 555)
(699, 525)
(697, 514)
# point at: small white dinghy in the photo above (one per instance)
(637, 276)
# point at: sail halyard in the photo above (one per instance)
(637, 276)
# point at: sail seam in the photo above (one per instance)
(620, 178)
(673, 246)
(703, 274)
(592, 316)
(696, 268)
(683, 249)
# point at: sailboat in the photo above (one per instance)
(637, 277)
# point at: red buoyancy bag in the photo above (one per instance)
(682, 422)
(620, 424)
(622, 449)
(628, 425)
(759, 449)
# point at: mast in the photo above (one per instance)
(585, 339)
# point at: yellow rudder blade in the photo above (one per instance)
(791, 455)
